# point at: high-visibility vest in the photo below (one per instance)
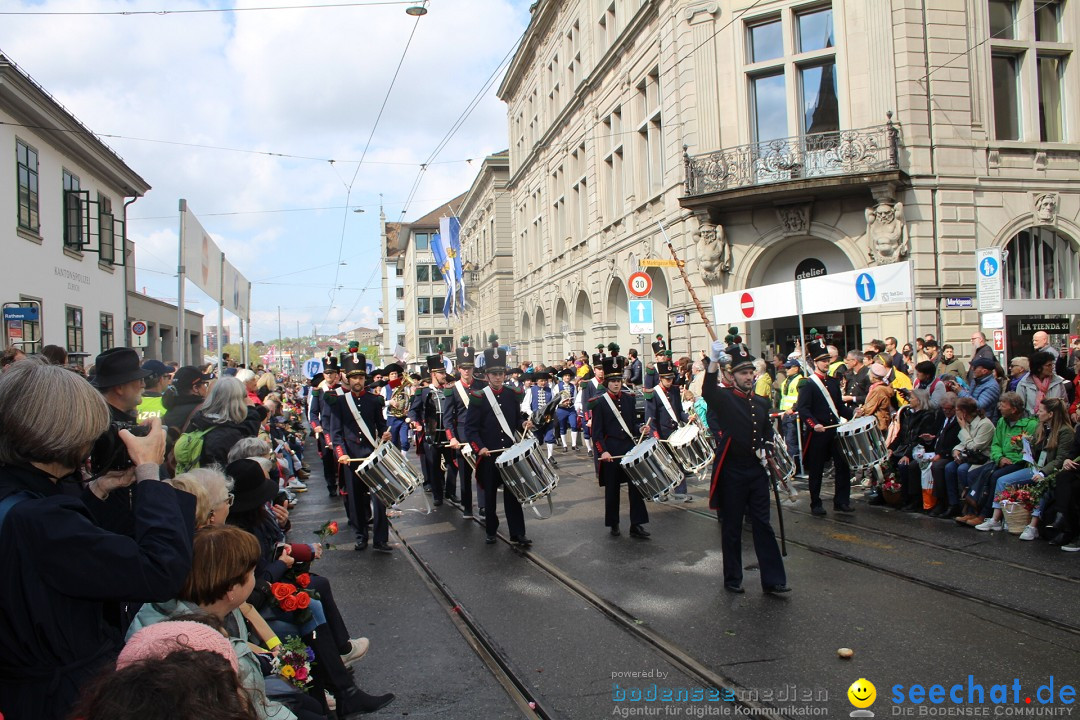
(834, 367)
(150, 407)
(789, 393)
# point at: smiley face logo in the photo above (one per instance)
(862, 693)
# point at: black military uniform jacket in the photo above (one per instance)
(430, 407)
(742, 421)
(662, 423)
(345, 432)
(483, 429)
(812, 407)
(457, 409)
(607, 432)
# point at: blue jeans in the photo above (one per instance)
(789, 426)
(956, 479)
(399, 433)
(1019, 477)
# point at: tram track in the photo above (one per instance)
(514, 681)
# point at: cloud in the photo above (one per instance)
(294, 82)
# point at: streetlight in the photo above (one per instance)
(416, 10)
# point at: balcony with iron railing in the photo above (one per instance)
(794, 164)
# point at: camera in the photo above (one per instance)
(109, 452)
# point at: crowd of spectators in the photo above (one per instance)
(144, 510)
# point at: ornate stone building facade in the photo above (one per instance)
(792, 137)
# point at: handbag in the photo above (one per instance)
(974, 457)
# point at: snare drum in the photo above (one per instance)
(781, 467)
(526, 472)
(690, 448)
(652, 469)
(861, 443)
(469, 455)
(388, 474)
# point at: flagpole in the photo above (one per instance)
(221, 319)
(181, 273)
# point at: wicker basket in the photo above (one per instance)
(1017, 517)
(893, 498)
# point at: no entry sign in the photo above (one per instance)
(746, 304)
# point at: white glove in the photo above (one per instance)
(716, 352)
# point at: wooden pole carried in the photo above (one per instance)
(689, 287)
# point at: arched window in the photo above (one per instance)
(1041, 264)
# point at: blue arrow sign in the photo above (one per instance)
(864, 287)
(641, 317)
(988, 267)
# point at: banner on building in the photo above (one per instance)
(202, 257)
(237, 292)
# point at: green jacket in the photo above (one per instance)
(1003, 445)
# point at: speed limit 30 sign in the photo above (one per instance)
(639, 284)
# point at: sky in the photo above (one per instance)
(188, 93)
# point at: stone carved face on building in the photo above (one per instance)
(1046, 207)
(713, 251)
(886, 234)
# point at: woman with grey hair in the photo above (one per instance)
(916, 430)
(63, 558)
(212, 489)
(229, 416)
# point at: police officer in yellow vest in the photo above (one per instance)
(159, 379)
(789, 420)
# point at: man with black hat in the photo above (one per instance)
(740, 484)
(588, 388)
(616, 431)
(664, 413)
(821, 407)
(457, 410)
(493, 424)
(322, 420)
(396, 394)
(358, 427)
(538, 397)
(120, 378)
(566, 416)
(428, 414)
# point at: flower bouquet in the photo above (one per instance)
(892, 491)
(328, 529)
(293, 599)
(293, 662)
(1016, 505)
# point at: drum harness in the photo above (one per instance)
(490, 395)
(666, 402)
(371, 439)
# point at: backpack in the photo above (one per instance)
(188, 450)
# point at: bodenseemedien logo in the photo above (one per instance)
(862, 695)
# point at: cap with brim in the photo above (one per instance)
(251, 487)
(982, 362)
(186, 377)
(156, 368)
(788, 364)
(116, 367)
(879, 370)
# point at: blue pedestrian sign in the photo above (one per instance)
(988, 280)
(312, 367)
(641, 317)
(988, 267)
(865, 287)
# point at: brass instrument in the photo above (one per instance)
(564, 399)
(398, 406)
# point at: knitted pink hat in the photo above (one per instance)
(879, 370)
(160, 639)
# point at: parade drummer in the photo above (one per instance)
(664, 410)
(352, 443)
(539, 395)
(740, 483)
(615, 431)
(322, 420)
(457, 409)
(428, 414)
(821, 407)
(587, 389)
(493, 421)
(566, 416)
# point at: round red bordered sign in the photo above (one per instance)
(138, 327)
(639, 284)
(746, 303)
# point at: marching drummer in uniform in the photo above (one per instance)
(566, 417)
(428, 414)
(539, 396)
(664, 412)
(322, 423)
(587, 389)
(617, 434)
(351, 443)
(489, 408)
(740, 484)
(457, 410)
(820, 406)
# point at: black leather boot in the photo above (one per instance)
(355, 702)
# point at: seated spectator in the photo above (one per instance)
(250, 381)
(916, 431)
(1049, 448)
(184, 684)
(229, 416)
(1066, 523)
(971, 452)
(1041, 382)
(948, 437)
(213, 494)
(1018, 370)
(1006, 456)
(63, 561)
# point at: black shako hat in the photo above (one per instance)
(466, 357)
(665, 369)
(613, 368)
(354, 364)
(494, 359)
(251, 487)
(740, 357)
(817, 349)
(118, 366)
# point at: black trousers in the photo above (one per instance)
(491, 480)
(819, 448)
(359, 507)
(436, 475)
(459, 471)
(1067, 499)
(745, 491)
(614, 477)
(329, 464)
(937, 469)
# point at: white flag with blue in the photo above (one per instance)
(450, 228)
(440, 250)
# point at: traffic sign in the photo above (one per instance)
(22, 313)
(879, 285)
(661, 262)
(641, 317)
(312, 367)
(640, 285)
(865, 287)
(999, 341)
(746, 304)
(138, 334)
(959, 302)
(988, 279)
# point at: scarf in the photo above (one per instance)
(1041, 386)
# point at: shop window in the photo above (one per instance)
(1041, 264)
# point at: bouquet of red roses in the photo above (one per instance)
(293, 599)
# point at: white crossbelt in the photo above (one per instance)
(359, 420)
(498, 412)
(667, 405)
(828, 398)
(618, 415)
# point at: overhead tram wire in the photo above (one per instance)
(198, 11)
(363, 155)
